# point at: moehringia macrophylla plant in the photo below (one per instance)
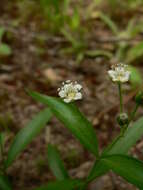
(114, 157)
(120, 74)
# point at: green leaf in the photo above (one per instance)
(135, 78)
(107, 20)
(56, 164)
(2, 138)
(2, 31)
(69, 37)
(120, 145)
(5, 50)
(61, 185)
(75, 20)
(96, 53)
(129, 168)
(134, 28)
(135, 52)
(72, 118)
(26, 135)
(4, 183)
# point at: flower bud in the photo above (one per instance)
(139, 98)
(122, 119)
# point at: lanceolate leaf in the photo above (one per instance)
(107, 20)
(61, 185)
(129, 168)
(135, 52)
(96, 53)
(131, 136)
(26, 135)
(4, 183)
(120, 145)
(73, 119)
(56, 164)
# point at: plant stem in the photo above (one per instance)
(133, 113)
(121, 98)
(2, 154)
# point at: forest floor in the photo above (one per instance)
(26, 69)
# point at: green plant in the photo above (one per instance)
(5, 49)
(117, 8)
(113, 157)
(124, 50)
(79, 47)
(22, 139)
(129, 4)
(56, 13)
(60, 21)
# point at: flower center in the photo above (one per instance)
(71, 94)
(121, 74)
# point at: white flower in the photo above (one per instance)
(70, 91)
(119, 73)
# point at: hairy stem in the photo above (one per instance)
(2, 154)
(133, 113)
(121, 98)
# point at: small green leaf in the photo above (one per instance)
(62, 185)
(5, 50)
(96, 53)
(135, 52)
(26, 135)
(69, 37)
(135, 78)
(120, 145)
(129, 168)
(75, 20)
(56, 164)
(4, 183)
(72, 118)
(2, 31)
(134, 28)
(107, 20)
(2, 139)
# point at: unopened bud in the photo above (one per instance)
(123, 119)
(139, 98)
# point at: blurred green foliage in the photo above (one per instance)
(56, 13)
(71, 21)
(5, 49)
(124, 51)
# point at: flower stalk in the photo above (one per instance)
(2, 154)
(120, 96)
(133, 113)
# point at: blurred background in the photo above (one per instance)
(45, 42)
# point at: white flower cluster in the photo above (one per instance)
(70, 91)
(119, 73)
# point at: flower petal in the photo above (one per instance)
(112, 73)
(78, 96)
(67, 100)
(77, 87)
(62, 93)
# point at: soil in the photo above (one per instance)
(44, 72)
